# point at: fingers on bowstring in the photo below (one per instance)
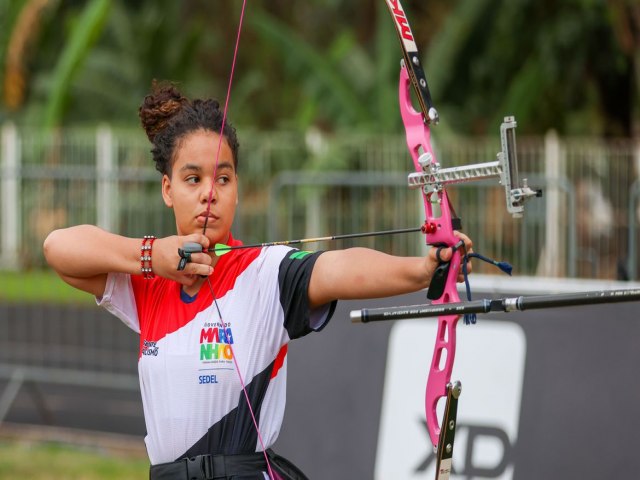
(198, 238)
(201, 259)
(199, 264)
(204, 241)
(195, 269)
(196, 263)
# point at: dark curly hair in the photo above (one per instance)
(167, 117)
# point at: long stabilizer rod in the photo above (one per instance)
(510, 304)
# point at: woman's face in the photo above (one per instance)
(186, 191)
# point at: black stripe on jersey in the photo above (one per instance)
(235, 433)
(293, 279)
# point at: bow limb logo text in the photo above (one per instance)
(401, 20)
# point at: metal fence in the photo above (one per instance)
(61, 345)
(295, 186)
(292, 186)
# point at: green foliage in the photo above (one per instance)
(54, 462)
(571, 66)
(10, 10)
(552, 64)
(83, 35)
(318, 73)
(139, 45)
(39, 287)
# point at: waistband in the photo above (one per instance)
(209, 467)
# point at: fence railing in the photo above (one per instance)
(293, 186)
(62, 345)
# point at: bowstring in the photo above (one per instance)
(204, 232)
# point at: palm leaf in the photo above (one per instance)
(301, 55)
(83, 35)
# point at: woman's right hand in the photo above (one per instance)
(165, 258)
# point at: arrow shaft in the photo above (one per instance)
(325, 239)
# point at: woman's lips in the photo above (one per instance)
(202, 218)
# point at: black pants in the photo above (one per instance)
(227, 467)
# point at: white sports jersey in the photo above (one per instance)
(192, 396)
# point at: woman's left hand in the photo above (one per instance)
(447, 253)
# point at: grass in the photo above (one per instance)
(58, 462)
(39, 286)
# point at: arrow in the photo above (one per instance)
(220, 248)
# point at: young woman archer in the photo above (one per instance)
(214, 335)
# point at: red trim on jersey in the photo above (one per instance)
(279, 361)
(160, 309)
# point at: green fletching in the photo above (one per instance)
(220, 249)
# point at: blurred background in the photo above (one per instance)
(322, 152)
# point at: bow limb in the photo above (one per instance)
(439, 229)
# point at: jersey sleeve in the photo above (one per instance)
(293, 279)
(119, 300)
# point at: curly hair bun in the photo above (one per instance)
(157, 109)
(167, 117)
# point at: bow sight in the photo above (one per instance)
(433, 178)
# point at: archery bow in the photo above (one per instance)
(439, 226)
(439, 230)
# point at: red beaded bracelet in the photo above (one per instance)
(146, 268)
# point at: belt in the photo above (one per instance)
(209, 467)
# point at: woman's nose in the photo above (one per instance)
(208, 193)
